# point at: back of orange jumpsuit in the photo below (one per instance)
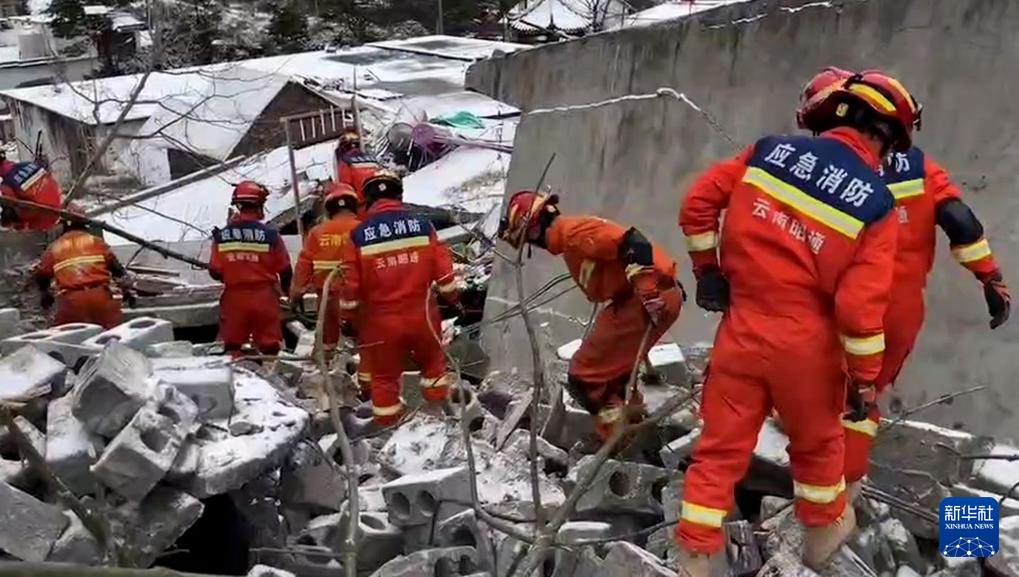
(600, 369)
(250, 259)
(323, 252)
(808, 248)
(390, 264)
(81, 265)
(31, 182)
(354, 167)
(920, 186)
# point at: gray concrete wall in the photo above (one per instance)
(632, 160)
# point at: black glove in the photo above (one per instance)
(861, 396)
(46, 300)
(347, 329)
(999, 303)
(129, 298)
(297, 304)
(713, 291)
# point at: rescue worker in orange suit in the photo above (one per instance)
(807, 258)
(322, 253)
(82, 266)
(615, 265)
(32, 182)
(391, 263)
(249, 258)
(925, 198)
(353, 165)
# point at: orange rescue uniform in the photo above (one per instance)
(919, 186)
(600, 369)
(249, 258)
(32, 182)
(390, 264)
(323, 252)
(808, 249)
(81, 265)
(354, 168)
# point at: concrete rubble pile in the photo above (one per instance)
(153, 433)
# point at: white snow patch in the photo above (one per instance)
(672, 10)
(772, 445)
(471, 178)
(999, 473)
(417, 445)
(27, 374)
(567, 351)
(895, 532)
(451, 46)
(962, 435)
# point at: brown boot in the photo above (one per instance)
(692, 564)
(821, 543)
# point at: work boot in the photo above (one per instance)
(821, 543)
(692, 564)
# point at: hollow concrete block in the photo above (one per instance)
(111, 388)
(137, 333)
(418, 499)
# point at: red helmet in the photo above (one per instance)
(382, 184)
(350, 139)
(343, 194)
(521, 222)
(249, 192)
(817, 90)
(879, 94)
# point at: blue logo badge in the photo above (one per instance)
(969, 527)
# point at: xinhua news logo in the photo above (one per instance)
(969, 527)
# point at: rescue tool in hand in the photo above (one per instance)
(614, 265)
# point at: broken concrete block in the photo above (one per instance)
(771, 506)
(378, 540)
(668, 361)
(71, 449)
(514, 415)
(309, 479)
(144, 530)
(473, 413)
(571, 536)
(873, 550)
(63, 342)
(464, 530)
(915, 446)
(903, 545)
(566, 352)
(267, 571)
(76, 545)
(679, 451)
(555, 459)
(30, 527)
(432, 563)
(208, 381)
(225, 462)
(10, 319)
(111, 388)
(662, 544)
(28, 374)
(621, 486)
(741, 548)
(418, 499)
(143, 452)
(170, 350)
(136, 333)
(628, 560)
(783, 544)
(1005, 563)
(34, 435)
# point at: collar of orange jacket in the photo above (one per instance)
(855, 139)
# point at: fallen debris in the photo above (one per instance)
(28, 374)
(111, 389)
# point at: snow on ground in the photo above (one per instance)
(451, 46)
(670, 11)
(999, 473)
(566, 15)
(772, 444)
(191, 211)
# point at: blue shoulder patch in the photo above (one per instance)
(389, 226)
(22, 175)
(826, 170)
(904, 166)
(360, 158)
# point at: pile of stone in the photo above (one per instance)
(152, 430)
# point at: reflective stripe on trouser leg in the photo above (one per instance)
(859, 437)
(387, 406)
(734, 408)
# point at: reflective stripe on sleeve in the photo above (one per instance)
(325, 264)
(703, 241)
(864, 346)
(972, 252)
(79, 260)
(348, 305)
(907, 188)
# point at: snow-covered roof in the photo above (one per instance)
(571, 16)
(671, 10)
(451, 46)
(191, 211)
(213, 125)
(428, 107)
(391, 72)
